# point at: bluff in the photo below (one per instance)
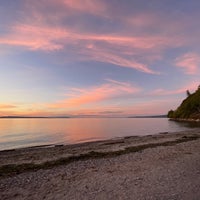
(189, 108)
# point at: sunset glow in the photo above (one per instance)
(97, 57)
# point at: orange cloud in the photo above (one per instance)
(135, 108)
(7, 109)
(7, 106)
(190, 62)
(80, 97)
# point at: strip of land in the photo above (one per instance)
(163, 166)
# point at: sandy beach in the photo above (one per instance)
(163, 166)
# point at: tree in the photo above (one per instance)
(189, 108)
(188, 93)
(170, 114)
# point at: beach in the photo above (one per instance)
(162, 166)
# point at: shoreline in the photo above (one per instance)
(184, 120)
(48, 156)
(36, 143)
(162, 166)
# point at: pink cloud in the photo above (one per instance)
(152, 107)
(94, 7)
(190, 63)
(104, 55)
(117, 50)
(109, 90)
(41, 36)
(135, 51)
(41, 10)
(191, 87)
(117, 56)
(141, 20)
(35, 37)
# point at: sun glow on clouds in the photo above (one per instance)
(79, 97)
(117, 50)
(120, 49)
(7, 106)
(94, 101)
(128, 35)
(35, 37)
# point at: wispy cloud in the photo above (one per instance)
(94, 7)
(116, 58)
(91, 95)
(76, 34)
(162, 92)
(34, 37)
(43, 31)
(7, 106)
(118, 50)
(189, 62)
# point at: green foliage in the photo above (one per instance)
(170, 114)
(189, 108)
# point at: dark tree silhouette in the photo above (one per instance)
(188, 93)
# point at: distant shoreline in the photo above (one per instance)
(26, 117)
(57, 117)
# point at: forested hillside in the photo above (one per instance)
(189, 108)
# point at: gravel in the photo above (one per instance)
(163, 173)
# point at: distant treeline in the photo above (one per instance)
(189, 108)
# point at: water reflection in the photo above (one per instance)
(15, 133)
(191, 124)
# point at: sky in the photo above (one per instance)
(97, 57)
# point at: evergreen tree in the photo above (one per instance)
(189, 108)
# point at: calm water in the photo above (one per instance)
(16, 133)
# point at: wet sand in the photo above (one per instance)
(163, 166)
